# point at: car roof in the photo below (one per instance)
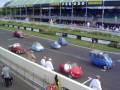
(97, 52)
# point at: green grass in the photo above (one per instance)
(74, 41)
(52, 30)
(94, 46)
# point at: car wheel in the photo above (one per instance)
(105, 67)
(18, 52)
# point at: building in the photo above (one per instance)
(63, 11)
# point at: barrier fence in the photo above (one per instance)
(36, 74)
(82, 38)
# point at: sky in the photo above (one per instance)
(2, 2)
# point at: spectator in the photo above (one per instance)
(43, 61)
(95, 84)
(49, 64)
(88, 24)
(6, 74)
(57, 82)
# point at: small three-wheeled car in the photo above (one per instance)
(55, 45)
(18, 34)
(62, 41)
(17, 48)
(101, 59)
(37, 47)
(72, 70)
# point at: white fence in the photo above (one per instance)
(36, 73)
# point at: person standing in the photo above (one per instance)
(6, 73)
(43, 61)
(49, 64)
(57, 82)
(95, 84)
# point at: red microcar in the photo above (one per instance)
(17, 48)
(72, 70)
(18, 34)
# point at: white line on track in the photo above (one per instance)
(12, 39)
(118, 61)
(89, 79)
(103, 70)
(63, 53)
(2, 32)
(57, 51)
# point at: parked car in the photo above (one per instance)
(17, 48)
(101, 59)
(36, 46)
(72, 70)
(55, 45)
(62, 41)
(18, 34)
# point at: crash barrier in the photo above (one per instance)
(114, 44)
(37, 74)
(110, 43)
(93, 40)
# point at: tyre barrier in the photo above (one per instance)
(82, 38)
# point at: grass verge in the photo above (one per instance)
(73, 41)
(52, 30)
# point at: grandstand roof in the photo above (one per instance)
(19, 3)
(22, 3)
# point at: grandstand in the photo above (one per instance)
(97, 12)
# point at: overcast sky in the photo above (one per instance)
(2, 2)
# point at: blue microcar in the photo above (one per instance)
(62, 41)
(101, 59)
(55, 45)
(37, 47)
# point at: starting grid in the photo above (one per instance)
(38, 74)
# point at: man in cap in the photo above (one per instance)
(95, 84)
(43, 61)
(49, 64)
(6, 73)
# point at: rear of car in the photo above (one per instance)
(101, 60)
(18, 34)
(37, 47)
(76, 72)
(55, 45)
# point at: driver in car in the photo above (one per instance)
(67, 66)
(16, 45)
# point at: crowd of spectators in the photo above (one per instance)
(109, 27)
(93, 15)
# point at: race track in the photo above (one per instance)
(110, 79)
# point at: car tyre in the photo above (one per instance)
(105, 67)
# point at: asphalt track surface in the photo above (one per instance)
(110, 79)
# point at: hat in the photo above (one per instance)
(31, 51)
(44, 57)
(50, 59)
(97, 76)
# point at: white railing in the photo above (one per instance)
(35, 73)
